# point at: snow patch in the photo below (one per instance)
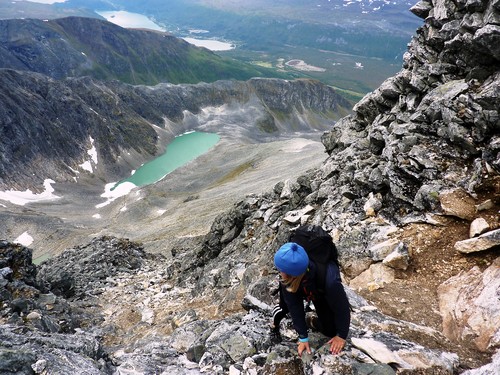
(87, 166)
(111, 194)
(24, 239)
(92, 152)
(23, 197)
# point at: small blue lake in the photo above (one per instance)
(180, 151)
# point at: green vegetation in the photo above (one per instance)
(266, 124)
(340, 71)
(350, 51)
(211, 67)
(356, 56)
(139, 57)
(352, 96)
(234, 173)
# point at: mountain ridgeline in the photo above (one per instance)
(46, 125)
(76, 46)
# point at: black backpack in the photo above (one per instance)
(319, 247)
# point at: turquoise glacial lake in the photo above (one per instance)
(179, 152)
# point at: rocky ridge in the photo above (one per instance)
(70, 316)
(419, 155)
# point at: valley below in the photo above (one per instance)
(183, 204)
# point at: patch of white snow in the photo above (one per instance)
(23, 197)
(24, 239)
(112, 194)
(92, 152)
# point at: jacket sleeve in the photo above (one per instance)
(295, 306)
(338, 301)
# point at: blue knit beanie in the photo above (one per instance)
(292, 259)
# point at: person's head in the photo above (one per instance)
(292, 261)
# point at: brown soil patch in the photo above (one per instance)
(413, 295)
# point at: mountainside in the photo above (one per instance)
(410, 191)
(47, 126)
(76, 46)
(352, 45)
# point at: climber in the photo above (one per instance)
(301, 280)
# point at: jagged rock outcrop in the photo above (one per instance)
(89, 275)
(38, 329)
(50, 135)
(431, 128)
(127, 315)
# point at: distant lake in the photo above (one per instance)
(130, 20)
(180, 151)
(139, 21)
(213, 45)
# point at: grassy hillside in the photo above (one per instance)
(147, 57)
(76, 46)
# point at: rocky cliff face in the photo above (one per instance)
(435, 124)
(47, 126)
(410, 176)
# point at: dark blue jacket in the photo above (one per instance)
(333, 293)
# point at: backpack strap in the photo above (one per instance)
(321, 277)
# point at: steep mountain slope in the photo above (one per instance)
(76, 46)
(47, 126)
